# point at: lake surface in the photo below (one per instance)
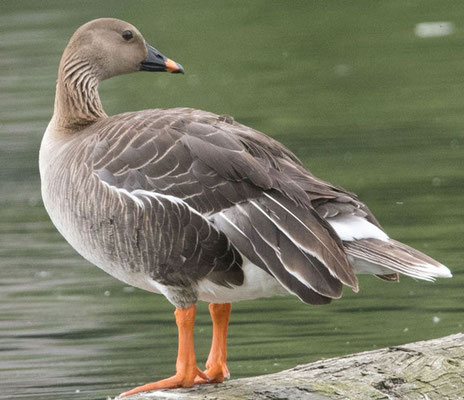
(348, 86)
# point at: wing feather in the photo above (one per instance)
(245, 183)
(302, 247)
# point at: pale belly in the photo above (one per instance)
(257, 283)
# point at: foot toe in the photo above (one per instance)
(176, 381)
(217, 373)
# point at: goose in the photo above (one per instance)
(196, 206)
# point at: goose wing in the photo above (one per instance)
(242, 182)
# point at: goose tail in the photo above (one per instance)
(388, 257)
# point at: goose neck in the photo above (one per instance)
(77, 102)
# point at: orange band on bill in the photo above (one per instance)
(171, 66)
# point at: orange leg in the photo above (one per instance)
(216, 368)
(187, 372)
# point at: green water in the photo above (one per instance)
(347, 85)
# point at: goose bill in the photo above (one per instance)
(157, 62)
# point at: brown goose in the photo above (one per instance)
(196, 206)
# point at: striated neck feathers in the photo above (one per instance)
(77, 103)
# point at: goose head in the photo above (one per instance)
(114, 47)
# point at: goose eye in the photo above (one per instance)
(127, 35)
